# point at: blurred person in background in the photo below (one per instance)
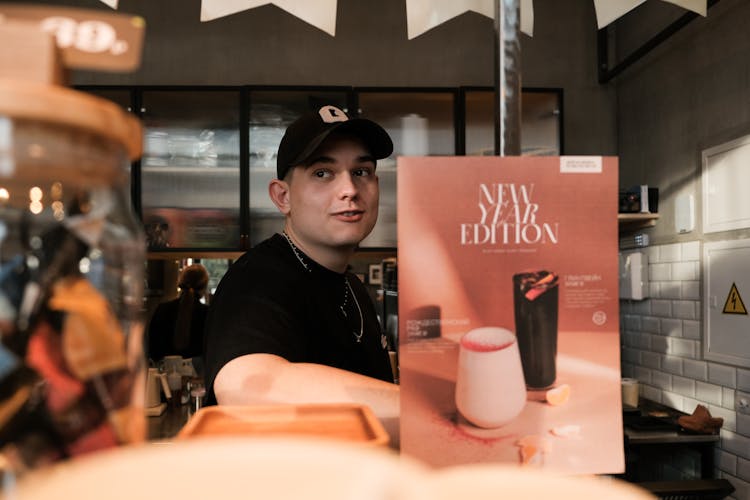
(176, 327)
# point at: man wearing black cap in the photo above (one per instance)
(288, 323)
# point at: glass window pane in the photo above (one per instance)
(216, 269)
(271, 111)
(191, 169)
(540, 123)
(419, 123)
(480, 123)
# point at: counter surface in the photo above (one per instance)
(169, 423)
(649, 445)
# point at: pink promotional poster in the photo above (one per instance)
(509, 313)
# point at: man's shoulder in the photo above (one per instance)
(269, 254)
(265, 265)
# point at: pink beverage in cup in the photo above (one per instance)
(490, 388)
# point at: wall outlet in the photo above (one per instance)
(742, 403)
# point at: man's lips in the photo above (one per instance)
(349, 215)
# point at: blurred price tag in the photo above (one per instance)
(88, 39)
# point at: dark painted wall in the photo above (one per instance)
(691, 93)
(266, 45)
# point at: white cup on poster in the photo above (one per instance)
(490, 388)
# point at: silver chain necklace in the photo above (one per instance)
(296, 252)
(357, 337)
(347, 290)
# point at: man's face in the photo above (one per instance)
(333, 201)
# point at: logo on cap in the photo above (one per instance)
(332, 114)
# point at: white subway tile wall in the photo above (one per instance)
(661, 347)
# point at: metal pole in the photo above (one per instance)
(507, 77)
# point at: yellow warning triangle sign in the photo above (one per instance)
(734, 304)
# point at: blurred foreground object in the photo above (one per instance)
(96, 40)
(71, 251)
(281, 468)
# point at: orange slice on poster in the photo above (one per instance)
(558, 395)
(532, 449)
(531, 455)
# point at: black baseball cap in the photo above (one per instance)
(305, 134)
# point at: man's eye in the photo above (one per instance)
(322, 174)
(363, 172)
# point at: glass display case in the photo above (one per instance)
(541, 121)
(210, 152)
(420, 122)
(190, 168)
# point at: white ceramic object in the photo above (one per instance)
(490, 388)
(630, 392)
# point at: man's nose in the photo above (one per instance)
(347, 186)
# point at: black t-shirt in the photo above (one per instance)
(269, 302)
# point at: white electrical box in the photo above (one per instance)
(684, 213)
(633, 275)
(726, 301)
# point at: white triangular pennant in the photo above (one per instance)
(608, 11)
(423, 15)
(214, 9)
(527, 17)
(319, 13)
(697, 6)
(111, 3)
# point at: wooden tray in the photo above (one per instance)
(339, 421)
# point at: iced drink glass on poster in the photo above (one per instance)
(490, 390)
(535, 301)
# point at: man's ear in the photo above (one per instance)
(278, 190)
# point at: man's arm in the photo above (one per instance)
(270, 379)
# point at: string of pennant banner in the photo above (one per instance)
(422, 15)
